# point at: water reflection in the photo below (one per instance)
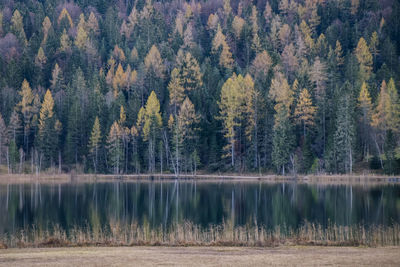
(158, 203)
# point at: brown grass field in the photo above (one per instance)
(202, 256)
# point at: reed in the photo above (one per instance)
(189, 234)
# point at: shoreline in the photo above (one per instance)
(369, 179)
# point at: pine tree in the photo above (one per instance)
(344, 137)
(186, 130)
(283, 138)
(95, 143)
(365, 106)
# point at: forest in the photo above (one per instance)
(172, 86)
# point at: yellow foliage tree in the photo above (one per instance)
(305, 111)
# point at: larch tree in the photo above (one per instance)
(95, 142)
(150, 122)
(176, 91)
(305, 111)
(221, 48)
(40, 59)
(154, 62)
(283, 140)
(26, 108)
(46, 25)
(93, 24)
(82, 35)
(364, 58)
(373, 46)
(47, 133)
(236, 112)
(261, 65)
(64, 15)
(65, 42)
(17, 27)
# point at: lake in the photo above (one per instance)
(162, 203)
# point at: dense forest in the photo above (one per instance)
(290, 86)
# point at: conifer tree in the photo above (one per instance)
(3, 139)
(365, 106)
(283, 141)
(65, 15)
(219, 44)
(47, 133)
(40, 59)
(93, 24)
(17, 27)
(26, 108)
(154, 62)
(305, 110)
(46, 25)
(14, 126)
(176, 91)
(65, 42)
(393, 108)
(236, 109)
(364, 58)
(344, 138)
(95, 142)
(150, 122)
(81, 36)
(114, 146)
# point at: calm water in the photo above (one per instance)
(204, 203)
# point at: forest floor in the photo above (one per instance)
(202, 256)
(219, 177)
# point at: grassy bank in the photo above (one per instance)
(320, 179)
(188, 234)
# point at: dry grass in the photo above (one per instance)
(202, 256)
(188, 234)
(367, 179)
